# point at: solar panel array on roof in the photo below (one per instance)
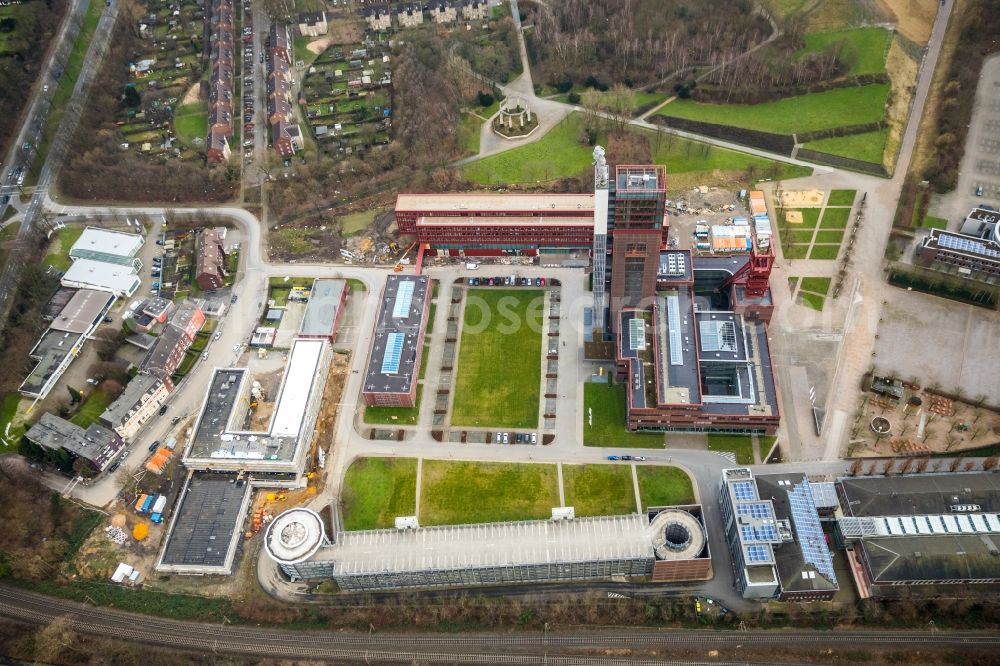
(393, 352)
(636, 334)
(674, 329)
(676, 265)
(967, 244)
(404, 299)
(744, 490)
(758, 510)
(757, 554)
(812, 541)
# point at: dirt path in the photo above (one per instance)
(192, 95)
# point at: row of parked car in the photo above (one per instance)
(510, 281)
(515, 438)
(626, 458)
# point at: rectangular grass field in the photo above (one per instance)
(865, 49)
(810, 300)
(607, 404)
(453, 493)
(377, 490)
(599, 490)
(663, 486)
(835, 218)
(817, 285)
(499, 362)
(804, 113)
(824, 251)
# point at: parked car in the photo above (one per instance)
(218, 334)
(506, 438)
(534, 438)
(639, 458)
(233, 299)
(155, 445)
(163, 409)
(108, 320)
(518, 438)
(979, 190)
(204, 356)
(538, 282)
(626, 457)
(156, 285)
(612, 457)
(114, 466)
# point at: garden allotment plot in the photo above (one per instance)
(499, 360)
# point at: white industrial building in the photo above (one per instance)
(92, 274)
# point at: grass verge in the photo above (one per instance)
(377, 490)
(454, 493)
(867, 146)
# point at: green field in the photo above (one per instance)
(795, 251)
(10, 231)
(453, 493)
(354, 223)
(599, 490)
(864, 48)
(841, 197)
(813, 290)
(685, 156)
(607, 403)
(91, 408)
(663, 486)
(741, 445)
(835, 218)
(805, 113)
(499, 362)
(395, 415)
(810, 217)
(824, 251)
(931, 222)
(819, 285)
(867, 147)
(377, 490)
(59, 246)
(830, 236)
(191, 122)
(558, 154)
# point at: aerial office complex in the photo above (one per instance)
(972, 253)
(690, 333)
(774, 533)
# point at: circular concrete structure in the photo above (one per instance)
(880, 425)
(676, 535)
(294, 536)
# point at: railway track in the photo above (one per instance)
(467, 648)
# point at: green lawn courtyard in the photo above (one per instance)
(377, 490)
(191, 122)
(606, 403)
(499, 362)
(599, 490)
(867, 146)
(821, 232)
(865, 49)
(396, 415)
(841, 197)
(453, 492)
(812, 291)
(59, 247)
(91, 408)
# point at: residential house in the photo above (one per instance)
(210, 271)
(281, 43)
(443, 11)
(313, 24)
(95, 445)
(166, 354)
(378, 17)
(474, 10)
(220, 28)
(286, 138)
(140, 401)
(410, 15)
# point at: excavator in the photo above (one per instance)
(398, 268)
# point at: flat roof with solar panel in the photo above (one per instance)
(392, 366)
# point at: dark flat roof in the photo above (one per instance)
(206, 521)
(931, 558)
(679, 383)
(405, 330)
(917, 494)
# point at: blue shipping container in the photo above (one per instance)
(148, 503)
(156, 518)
